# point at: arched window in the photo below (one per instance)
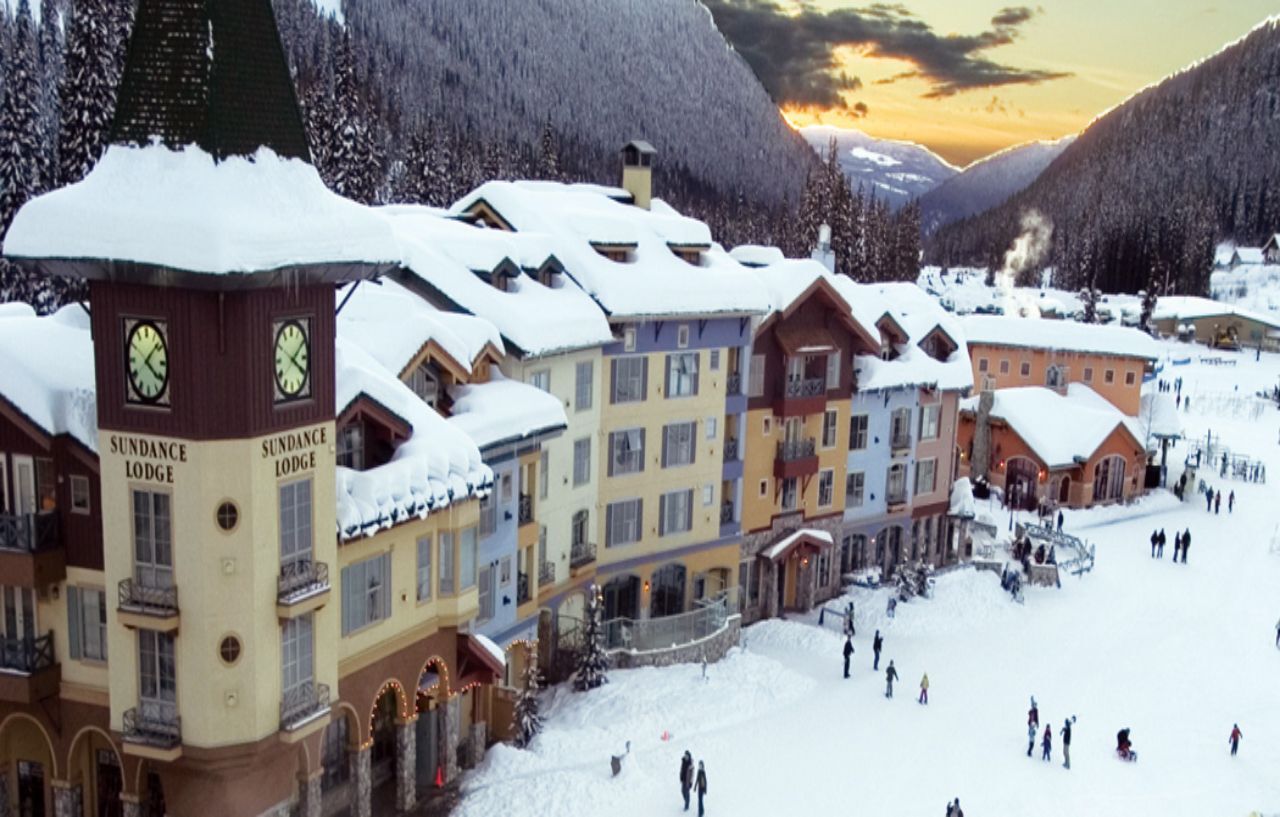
(1108, 479)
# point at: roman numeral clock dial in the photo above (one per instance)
(293, 359)
(147, 362)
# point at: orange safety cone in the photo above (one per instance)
(439, 777)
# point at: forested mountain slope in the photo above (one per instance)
(987, 182)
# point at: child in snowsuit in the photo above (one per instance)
(1046, 744)
(700, 786)
(878, 642)
(890, 675)
(1236, 734)
(924, 689)
(848, 653)
(686, 777)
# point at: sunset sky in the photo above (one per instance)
(967, 78)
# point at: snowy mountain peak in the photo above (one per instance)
(895, 171)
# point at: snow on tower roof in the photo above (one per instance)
(48, 370)
(437, 466)
(653, 281)
(182, 210)
(1070, 336)
(504, 411)
(443, 254)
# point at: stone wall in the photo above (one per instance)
(712, 648)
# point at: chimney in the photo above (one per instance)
(980, 465)
(637, 171)
(823, 252)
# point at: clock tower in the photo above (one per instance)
(212, 250)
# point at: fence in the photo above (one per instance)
(1228, 404)
(649, 634)
(1079, 556)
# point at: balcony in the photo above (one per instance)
(302, 587)
(726, 513)
(796, 458)
(148, 607)
(31, 553)
(546, 574)
(900, 443)
(733, 384)
(731, 449)
(802, 395)
(526, 509)
(153, 731)
(896, 497)
(522, 588)
(582, 554)
(302, 705)
(29, 673)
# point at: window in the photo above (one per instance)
(755, 377)
(1129, 378)
(829, 418)
(929, 416)
(1025, 369)
(583, 380)
(581, 462)
(858, 432)
(87, 623)
(505, 482)
(708, 494)
(79, 494)
(504, 571)
(826, 487)
(630, 379)
(833, 370)
(766, 425)
(1088, 374)
(710, 425)
(297, 652)
(541, 379)
(424, 568)
(366, 592)
(486, 594)
(544, 476)
(1109, 376)
(1055, 377)
(714, 363)
(764, 487)
(1004, 367)
(900, 428)
(467, 555)
(626, 451)
(682, 375)
(678, 444)
(295, 521)
(351, 447)
(897, 484)
(675, 514)
(926, 476)
(578, 529)
(229, 650)
(682, 336)
(982, 364)
(623, 522)
(445, 562)
(426, 384)
(152, 539)
(488, 514)
(228, 516)
(824, 569)
(854, 485)
(789, 494)
(629, 339)
(157, 679)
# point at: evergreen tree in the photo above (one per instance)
(356, 167)
(526, 721)
(593, 663)
(23, 151)
(1089, 300)
(549, 158)
(1148, 297)
(88, 90)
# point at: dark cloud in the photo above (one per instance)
(794, 52)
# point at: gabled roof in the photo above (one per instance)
(1059, 335)
(1190, 307)
(781, 281)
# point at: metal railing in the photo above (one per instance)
(29, 532)
(726, 513)
(807, 387)
(733, 384)
(301, 577)
(789, 450)
(546, 574)
(526, 509)
(900, 441)
(154, 725)
(582, 553)
(27, 654)
(522, 588)
(896, 497)
(302, 702)
(134, 595)
(731, 449)
(648, 634)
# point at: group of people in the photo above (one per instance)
(1046, 741)
(1181, 544)
(953, 809)
(691, 782)
(1213, 500)
(890, 672)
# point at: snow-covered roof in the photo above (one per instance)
(1250, 255)
(653, 281)
(1189, 307)
(504, 411)
(755, 255)
(1070, 336)
(444, 253)
(437, 466)
(183, 210)
(786, 279)
(48, 374)
(1062, 430)
(393, 325)
(490, 647)
(787, 542)
(1158, 416)
(1223, 253)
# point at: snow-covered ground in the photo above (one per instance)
(1177, 653)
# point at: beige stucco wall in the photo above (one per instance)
(762, 451)
(1125, 397)
(941, 448)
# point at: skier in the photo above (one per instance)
(924, 689)
(1177, 544)
(878, 642)
(1155, 540)
(700, 786)
(1046, 744)
(1231, 502)
(1236, 734)
(890, 675)
(1217, 503)
(1066, 743)
(1186, 544)
(848, 653)
(686, 777)
(1160, 544)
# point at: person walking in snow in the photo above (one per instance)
(1177, 544)
(957, 812)
(891, 607)
(1155, 540)
(890, 675)
(1186, 544)
(1066, 743)
(876, 644)
(1234, 739)
(1231, 502)
(1160, 544)
(1033, 714)
(686, 777)
(1059, 521)
(924, 689)
(1278, 633)
(848, 653)
(1208, 501)
(1031, 737)
(1217, 503)
(1046, 745)
(700, 786)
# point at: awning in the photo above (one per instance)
(477, 663)
(798, 339)
(810, 541)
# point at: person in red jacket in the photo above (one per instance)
(1236, 734)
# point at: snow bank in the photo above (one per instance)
(48, 372)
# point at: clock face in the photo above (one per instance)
(293, 359)
(147, 358)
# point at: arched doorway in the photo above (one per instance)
(889, 547)
(621, 597)
(667, 590)
(1020, 478)
(28, 764)
(1108, 479)
(1064, 490)
(382, 751)
(431, 698)
(94, 764)
(340, 740)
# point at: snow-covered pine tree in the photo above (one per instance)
(525, 719)
(1148, 297)
(593, 663)
(549, 156)
(356, 165)
(1089, 300)
(23, 156)
(87, 93)
(49, 50)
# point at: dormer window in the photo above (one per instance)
(350, 446)
(887, 352)
(618, 253)
(547, 276)
(425, 382)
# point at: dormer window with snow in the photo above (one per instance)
(938, 345)
(548, 274)
(689, 254)
(887, 351)
(425, 382)
(1056, 377)
(351, 447)
(618, 253)
(502, 277)
(367, 435)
